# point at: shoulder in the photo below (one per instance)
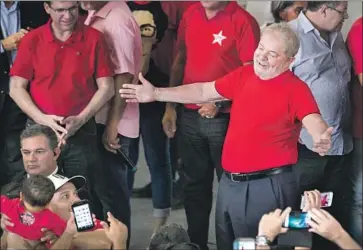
(191, 11)
(35, 35)
(356, 29)
(240, 15)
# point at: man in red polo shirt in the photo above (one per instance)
(66, 67)
(214, 38)
(269, 105)
(354, 187)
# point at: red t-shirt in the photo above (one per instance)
(28, 225)
(265, 119)
(217, 46)
(62, 74)
(355, 46)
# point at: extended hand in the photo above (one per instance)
(312, 200)
(169, 122)
(271, 224)
(12, 42)
(142, 93)
(116, 232)
(110, 139)
(208, 110)
(72, 123)
(322, 144)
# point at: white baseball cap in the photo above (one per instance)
(59, 180)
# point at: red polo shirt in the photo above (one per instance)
(28, 225)
(355, 46)
(265, 119)
(219, 45)
(62, 74)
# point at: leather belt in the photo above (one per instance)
(239, 177)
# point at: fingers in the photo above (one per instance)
(131, 100)
(326, 214)
(317, 215)
(23, 31)
(129, 88)
(110, 217)
(57, 118)
(328, 132)
(105, 226)
(283, 230)
(285, 213)
(142, 79)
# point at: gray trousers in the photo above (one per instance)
(240, 205)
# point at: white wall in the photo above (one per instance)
(259, 8)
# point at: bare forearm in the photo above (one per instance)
(64, 242)
(191, 93)
(92, 240)
(99, 99)
(315, 125)
(177, 73)
(22, 98)
(346, 242)
(118, 103)
(119, 246)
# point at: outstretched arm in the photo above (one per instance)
(191, 93)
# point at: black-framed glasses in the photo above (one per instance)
(147, 30)
(344, 14)
(71, 10)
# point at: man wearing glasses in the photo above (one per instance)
(66, 66)
(323, 63)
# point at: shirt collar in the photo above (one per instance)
(13, 7)
(54, 172)
(105, 10)
(229, 9)
(76, 36)
(306, 25)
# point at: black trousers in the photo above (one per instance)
(325, 173)
(12, 123)
(353, 193)
(201, 142)
(240, 205)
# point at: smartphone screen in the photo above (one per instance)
(83, 216)
(326, 200)
(297, 220)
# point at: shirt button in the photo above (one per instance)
(62, 47)
(2, 91)
(5, 72)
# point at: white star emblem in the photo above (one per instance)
(218, 38)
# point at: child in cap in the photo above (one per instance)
(30, 213)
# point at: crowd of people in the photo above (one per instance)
(275, 111)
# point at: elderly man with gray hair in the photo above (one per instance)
(270, 105)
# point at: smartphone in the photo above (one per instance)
(326, 200)
(297, 219)
(83, 216)
(127, 159)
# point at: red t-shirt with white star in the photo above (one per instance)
(217, 46)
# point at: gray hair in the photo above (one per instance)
(315, 5)
(289, 36)
(40, 130)
(167, 236)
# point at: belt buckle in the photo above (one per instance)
(236, 174)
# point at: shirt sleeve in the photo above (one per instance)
(302, 102)
(247, 39)
(228, 85)
(355, 45)
(103, 62)
(181, 32)
(121, 40)
(23, 65)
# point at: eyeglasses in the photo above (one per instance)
(343, 14)
(71, 10)
(147, 30)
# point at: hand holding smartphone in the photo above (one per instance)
(326, 200)
(83, 216)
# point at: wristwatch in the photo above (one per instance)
(262, 240)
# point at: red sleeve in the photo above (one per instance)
(7, 204)
(229, 84)
(23, 65)
(58, 224)
(302, 102)
(104, 66)
(355, 45)
(247, 36)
